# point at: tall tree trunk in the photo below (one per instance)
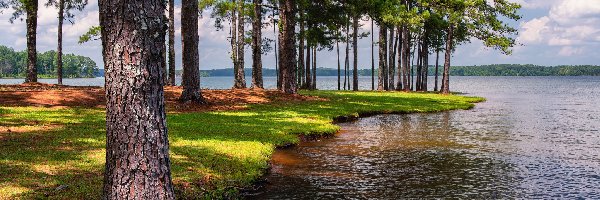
(400, 61)
(189, 35)
(308, 83)
(446, 78)
(301, 65)
(355, 51)
(392, 58)
(234, 44)
(425, 64)
(171, 53)
(337, 45)
(257, 77)
(419, 58)
(412, 65)
(314, 70)
(59, 52)
(372, 54)
(347, 61)
(437, 59)
(287, 52)
(240, 75)
(276, 53)
(31, 21)
(382, 57)
(137, 147)
(405, 58)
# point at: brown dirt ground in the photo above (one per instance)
(49, 95)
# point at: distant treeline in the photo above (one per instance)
(13, 64)
(483, 70)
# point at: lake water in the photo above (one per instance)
(535, 138)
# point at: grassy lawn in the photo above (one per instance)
(213, 153)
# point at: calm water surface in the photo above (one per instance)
(535, 137)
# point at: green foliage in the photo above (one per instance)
(212, 153)
(522, 70)
(92, 34)
(14, 64)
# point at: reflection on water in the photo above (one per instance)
(535, 137)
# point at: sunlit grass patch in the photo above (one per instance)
(60, 152)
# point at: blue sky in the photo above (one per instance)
(552, 32)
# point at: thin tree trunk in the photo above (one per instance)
(137, 147)
(314, 70)
(382, 57)
(287, 52)
(337, 44)
(355, 51)
(419, 58)
(31, 21)
(446, 78)
(301, 65)
(234, 39)
(347, 61)
(392, 58)
(399, 49)
(308, 83)
(405, 58)
(276, 53)
(257, 77)
(425, 64)
(190, 58)
(437, 59)
(240, 75)
(171, 43)
(59, 52)
(412, 66)
(372, 54)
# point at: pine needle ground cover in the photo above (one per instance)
(58, 153)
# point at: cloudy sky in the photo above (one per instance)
(552, 32)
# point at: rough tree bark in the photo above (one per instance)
(189, 35)
(419, 58)
(59, 52)
(287, 42)
(392, 58)
(355, 52)
(137, 146)
(240, 75)
(31, 21)
(337, 45)
(437, 59)
(347, 59)
(314, 70)
(382, 57)
(372, 54)
(301, 78)
(446, 77)
(308, 82)
(405, 59)
(399, 52)
(171, 53)
(257, 77)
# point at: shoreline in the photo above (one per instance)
(217, 151)
(260, 183)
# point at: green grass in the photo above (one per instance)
(213, 153)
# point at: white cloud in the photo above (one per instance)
(570, 24)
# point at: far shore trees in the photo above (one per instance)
(137, 147)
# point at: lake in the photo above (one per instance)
(535, 137)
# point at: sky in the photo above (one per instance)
(551, 32)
